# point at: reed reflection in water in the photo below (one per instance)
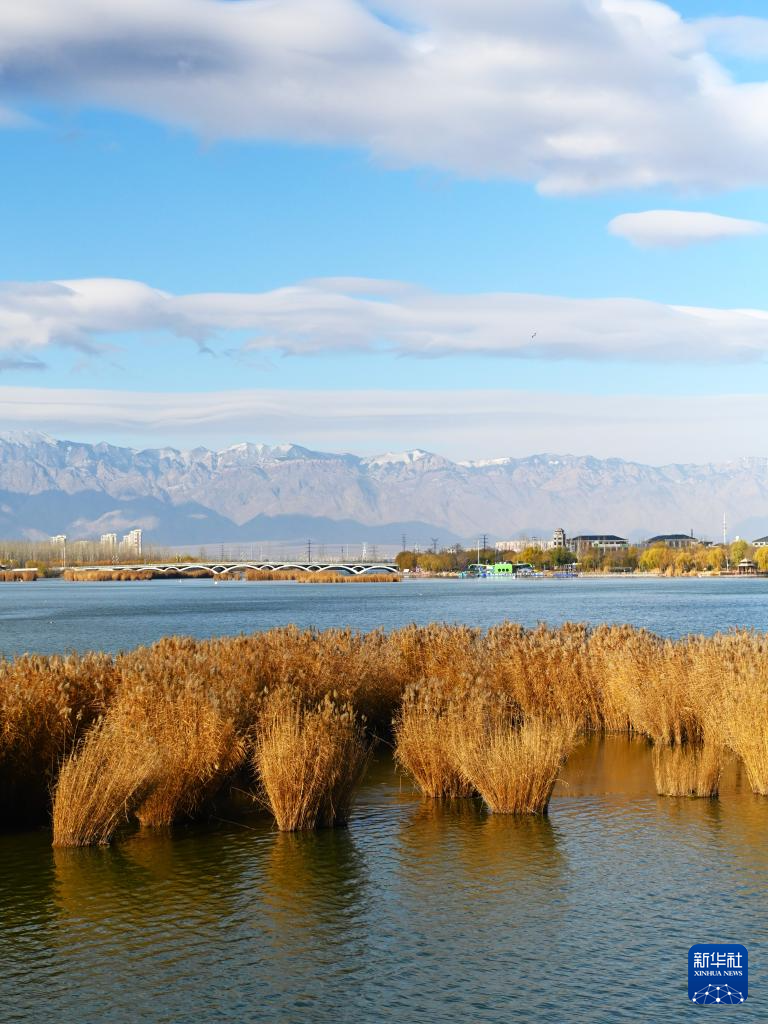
(418, 911)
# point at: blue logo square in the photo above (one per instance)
(718, 973)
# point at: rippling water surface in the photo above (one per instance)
(416, 912)
(52, 615)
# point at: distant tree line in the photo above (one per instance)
(458, 559)
(47, 555)
(658, 559)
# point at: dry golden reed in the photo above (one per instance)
(342, 577)
(45, 704)
(309, 760)
(513, 765)
(18, 575)
(197, 745)
(741, 714)
(687, 770)
(425, 742)
(101, 783)
(202, 701)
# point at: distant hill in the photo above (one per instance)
(252, 492)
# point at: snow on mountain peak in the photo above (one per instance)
(397, 458)
(483, 463)
(27, 438)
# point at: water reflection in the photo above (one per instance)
(459, 842)
(312, 881)
(311, 915)
(608, 764)
(419, 911)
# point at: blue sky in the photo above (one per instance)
(111, 172)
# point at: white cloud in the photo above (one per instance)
(369, 316)
(471, 424)
(677, 228)
(575, 95)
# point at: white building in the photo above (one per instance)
(600, 541)
(131, 543)
(520, 544)
(558, 538)
(109, 541)
(558, 541)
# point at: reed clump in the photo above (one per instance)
(513, 764)
(18, 575)
(543, 670)
(690, 770)
(425, 729)
(110, 575)
(46, 703)
(309, 760)
(197, 744)
(101, 783)
(322, 576)
(266, 575)
(741, 711)
(437, 689)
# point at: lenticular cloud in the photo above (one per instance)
(676, 228)
(374, 316)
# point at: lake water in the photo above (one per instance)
(53, 615)
(416, 912)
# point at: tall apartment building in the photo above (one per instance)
(131, 543)
(108, 541)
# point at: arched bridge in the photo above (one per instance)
(222, 568)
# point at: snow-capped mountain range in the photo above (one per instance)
(251, 492)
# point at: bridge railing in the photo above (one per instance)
(219, 568)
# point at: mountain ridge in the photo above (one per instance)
(249, 486)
